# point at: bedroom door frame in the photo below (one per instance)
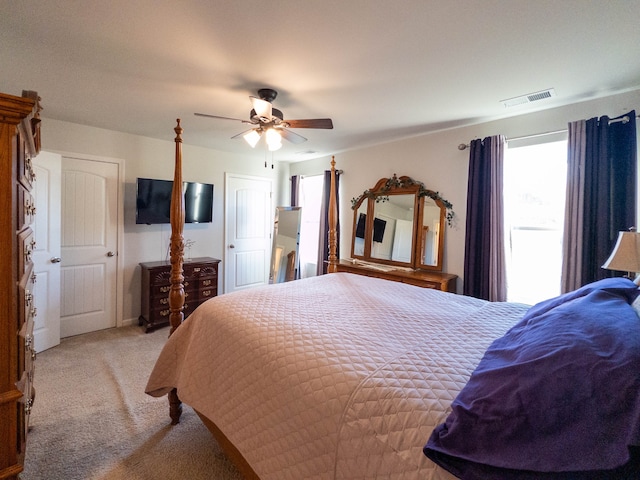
(258, 221)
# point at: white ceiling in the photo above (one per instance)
(381, 69)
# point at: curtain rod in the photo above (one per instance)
(625, 119)
(338, 172)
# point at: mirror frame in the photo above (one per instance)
(384, 188)
(273, 271)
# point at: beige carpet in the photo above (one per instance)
(92, 419)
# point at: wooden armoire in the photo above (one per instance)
(19, 143)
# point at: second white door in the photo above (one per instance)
(248, 231)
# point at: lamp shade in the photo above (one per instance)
(274, 140)
(625, 256)
(252, 137)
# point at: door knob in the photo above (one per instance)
(232, 246)
(110, 254)
(56, 260)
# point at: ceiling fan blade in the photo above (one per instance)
(291, 136)
(222, 118)
(261, 107)
(310, 123)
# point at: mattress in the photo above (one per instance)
(334, 377)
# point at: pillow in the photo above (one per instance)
(559, 392)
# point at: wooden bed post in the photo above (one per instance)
(176, 293)
(333, 220)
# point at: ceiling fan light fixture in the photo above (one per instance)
(252, 137)
(262, 108)
(264, 118)
(274, 140)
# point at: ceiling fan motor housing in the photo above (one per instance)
(267, 94)
(276, 114)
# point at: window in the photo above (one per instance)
(311, 203)
(534, 200)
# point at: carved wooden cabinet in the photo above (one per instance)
(200, 284)
(19, 143)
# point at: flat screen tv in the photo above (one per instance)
(153, 201)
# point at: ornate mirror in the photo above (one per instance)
(399, 222)
(286, 239)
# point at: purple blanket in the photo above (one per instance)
(559, 392)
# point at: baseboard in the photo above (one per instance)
(128, 322)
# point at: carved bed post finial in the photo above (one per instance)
(176, 293)
(333, 219)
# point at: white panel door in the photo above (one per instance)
(248, 231)
(46, 256)
(89, 245)
(402, 241)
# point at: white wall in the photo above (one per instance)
(435, 160)
(146, 157)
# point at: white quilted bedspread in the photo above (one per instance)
(334, 377)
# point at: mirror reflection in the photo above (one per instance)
(360, 228)
(285, 249)
(430, 239)
(393, 220)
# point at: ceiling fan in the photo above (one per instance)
(270, 122)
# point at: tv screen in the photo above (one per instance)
(378, 229)
(153, 201)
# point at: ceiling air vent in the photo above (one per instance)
(530, 97)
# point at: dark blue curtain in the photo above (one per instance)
(609, 189)
(295, 190)
(478, 235)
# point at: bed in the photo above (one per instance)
(345, 376)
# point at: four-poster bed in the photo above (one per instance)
(347, 376)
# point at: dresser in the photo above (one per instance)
(19, 143)
(200, 284)
(421, 278)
